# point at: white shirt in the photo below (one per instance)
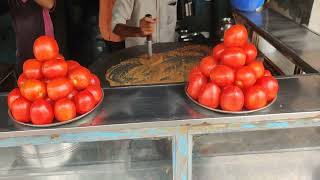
(130, 12)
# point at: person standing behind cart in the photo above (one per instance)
(31, 19)
(130, 23)
(113, 41)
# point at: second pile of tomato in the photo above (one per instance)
(232, 79)
(51, 88)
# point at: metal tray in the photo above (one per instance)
(229, 112)
(56, 123)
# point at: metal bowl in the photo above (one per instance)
(47, 156)
(244, 111)
(56, 123)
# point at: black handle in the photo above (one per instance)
(149, 38)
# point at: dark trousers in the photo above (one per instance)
(112, 47)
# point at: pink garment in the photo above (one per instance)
(48, 26)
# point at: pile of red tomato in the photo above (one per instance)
(232, 79)
(51, 89)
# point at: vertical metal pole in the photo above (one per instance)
(181, 155)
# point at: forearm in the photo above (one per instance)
(48, 4)
(125, 31)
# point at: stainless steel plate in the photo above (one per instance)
(229, 112)
(56, 123)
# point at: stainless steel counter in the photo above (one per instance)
(167, 106)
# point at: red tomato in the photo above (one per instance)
(195, 84)
(96, 92)
(195, 71)
(251, 52)
(22, 79)
(218, 50)
(20, 110)
(41, 112)
(222, 75)
(60, 57)
(84, 102)
(80, 77)
(236, 36)
(32, 69)
(72, 65)
(54, 69)
(94, 80)
(33, 90)
(245, 77)
(45, 48)
(12, 96)
(59, 88)
(207, 64)
(267, 73)
(50, 101)
(232, 99)
(258, 68)
(233, 57)
(270, 86)
(72, 94)
(210, 95)
(255, 98)
(64, 110)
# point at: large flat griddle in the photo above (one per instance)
(116, 65)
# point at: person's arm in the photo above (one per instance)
(121, 13)
(48, 4)
(146, 28)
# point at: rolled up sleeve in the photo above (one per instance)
(121, 12)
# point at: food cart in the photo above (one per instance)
(156, 132)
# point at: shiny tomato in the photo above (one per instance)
(270, 86)
(84, 102)
(94, 80)
(258, 68)
(222, 75)
(41, 112)
(32, 69)
(194, 71)
(232, 99)
(96, 92)
(236, 36)
(50, 101)
(245, 77)
(73, 93)
(22, 79)
(33, 90)
(267, 73)
(233, 57)
(195, 84)
(20, 110)
(12, 96)
(255, 98)
(218, 50)
(207, 64)
(80, 77)
(251, 52)
(72, 65)
(45, 48)
(210, 95)
(60, 57)
(64, 110)
(59, 88)
(54, 69)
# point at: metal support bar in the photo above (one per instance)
(182, 155)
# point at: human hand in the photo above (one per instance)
(147, 26)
